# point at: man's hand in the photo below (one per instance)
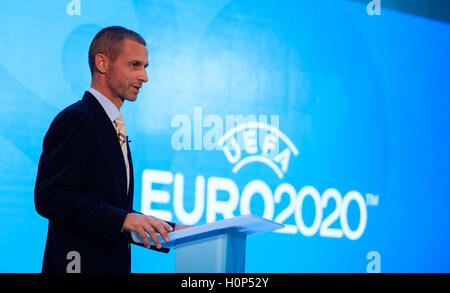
(141, 223)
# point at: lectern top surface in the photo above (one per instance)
(247, 224)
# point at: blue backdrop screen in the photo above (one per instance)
(314, 114)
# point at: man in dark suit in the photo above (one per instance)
(84, 185)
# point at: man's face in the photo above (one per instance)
(127, 73)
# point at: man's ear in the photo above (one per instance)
(101, 63)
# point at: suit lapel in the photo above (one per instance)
(110, 140)
(131, 188)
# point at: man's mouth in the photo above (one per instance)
(136, 88)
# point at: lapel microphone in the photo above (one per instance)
(124, 139)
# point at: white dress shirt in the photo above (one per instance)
(110, 109)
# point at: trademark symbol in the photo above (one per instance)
(372, 199)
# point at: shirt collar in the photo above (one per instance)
(110, 109)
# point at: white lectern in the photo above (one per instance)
(217, 247)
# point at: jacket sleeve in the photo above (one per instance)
(58, 195)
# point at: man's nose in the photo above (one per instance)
(144, 77)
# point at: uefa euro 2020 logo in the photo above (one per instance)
(247, 141)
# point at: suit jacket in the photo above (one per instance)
(81, 188)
